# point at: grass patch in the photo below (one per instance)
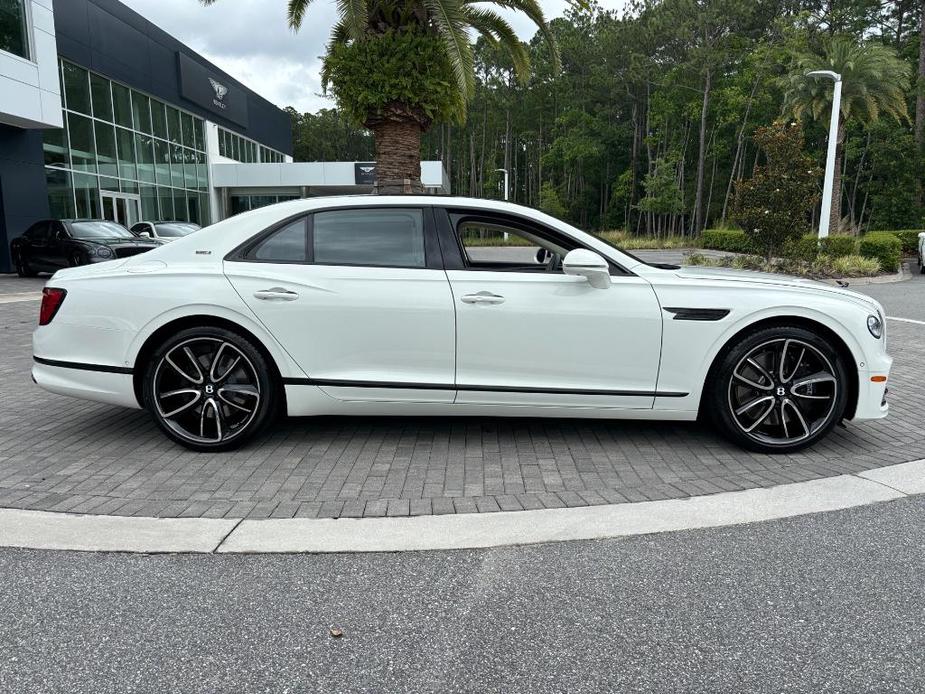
(822, 267)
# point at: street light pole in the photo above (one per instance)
(825, 213)
(504, 171)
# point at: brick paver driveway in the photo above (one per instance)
(61, 454)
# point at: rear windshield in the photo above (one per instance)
(175, 230)
(100, 230)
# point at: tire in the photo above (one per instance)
(763, 407)
(228, 391)
(22, 267)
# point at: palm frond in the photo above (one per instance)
(450, 21)
(354, 16)
(493, 27)
(532, 9)
(295, 12)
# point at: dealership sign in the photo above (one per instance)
(212, 92)
(364, 173)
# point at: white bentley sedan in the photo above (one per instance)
(407, 306)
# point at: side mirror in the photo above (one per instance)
(146, 234)
(588, 265)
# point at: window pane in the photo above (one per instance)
(142, 112)
(197, 135)
(173, 125)
(106, 148)
(129, 187)
(76, 88)
(165, 198)
(83, 153)
(109, 184)
(162, 161)
(54, 142)
(158, 119)
(102, 99)
(144, 150)
(122, 104)
(370, 237)
(204, 212)
(149, 203)
(14, 35)
(60, 194)
(86, 190)
(192, 206)
(285, 246)
(176, 165)
(126, 144)
(186, 120)
(179, 205)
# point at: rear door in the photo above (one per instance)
(358, 298)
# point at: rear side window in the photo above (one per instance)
(285, 245)
(378, 237)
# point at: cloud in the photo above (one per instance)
(251, 41)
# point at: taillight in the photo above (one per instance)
(52, 298)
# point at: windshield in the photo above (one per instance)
(100, 230)
(175, 230)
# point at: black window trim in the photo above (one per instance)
(433, 257)
(457, 258)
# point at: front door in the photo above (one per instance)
(527, 334)
(359, 299)
(121, 208)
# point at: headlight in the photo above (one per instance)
(875, 325)
(104, 252)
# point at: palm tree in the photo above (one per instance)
(397, 66)
(874, 82)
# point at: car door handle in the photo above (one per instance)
(482, 298)
(276, 294)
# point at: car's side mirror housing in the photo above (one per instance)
(589, 265)
(145, 233)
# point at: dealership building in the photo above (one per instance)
(104, 115)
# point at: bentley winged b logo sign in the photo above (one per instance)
(220, 91)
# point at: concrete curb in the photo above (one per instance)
(44, 530)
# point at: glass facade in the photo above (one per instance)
(233, 146)
(244, 203)
(121, 141)
(14, 29)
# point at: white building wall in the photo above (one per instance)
(30, 92)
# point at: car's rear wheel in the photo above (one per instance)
(22, 267)
(210, 389)
(778, 390)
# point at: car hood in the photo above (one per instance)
(768, 279)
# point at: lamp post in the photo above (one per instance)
(504, 171)
(825, 213)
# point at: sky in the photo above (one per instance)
(250, 40)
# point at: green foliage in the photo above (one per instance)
(773, 206)
(328, 135)
(809, 246)
(396, 70)
(838, 246)
(661, 186)
(884, 247)
(550, 202)
(730, 240)
(823, 266)
(909, 238)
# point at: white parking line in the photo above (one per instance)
(21, 296)
(906, 320)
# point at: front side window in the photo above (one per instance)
(14, 31)
(489, 245)
(173, 231)
(378, 237)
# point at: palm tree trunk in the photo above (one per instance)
(398, 156)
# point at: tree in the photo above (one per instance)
(874, 82)
(773, 206)
(397, 66)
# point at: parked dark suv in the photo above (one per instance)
(52, 244)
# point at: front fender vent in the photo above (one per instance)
(698, 314)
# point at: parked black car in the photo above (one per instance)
(165, 231)
(52, 244)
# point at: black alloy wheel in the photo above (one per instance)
(210, 389)
(778, 390)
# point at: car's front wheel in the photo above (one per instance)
(22, 266)
(210, 389)
(778, 389)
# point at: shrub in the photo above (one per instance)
(853, 266)
(836, 246)
(885, 247)
(908, 237)
(731, 240)
(805, 248)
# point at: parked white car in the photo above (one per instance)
(164, 231)
(922, 252)
(393, 306)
